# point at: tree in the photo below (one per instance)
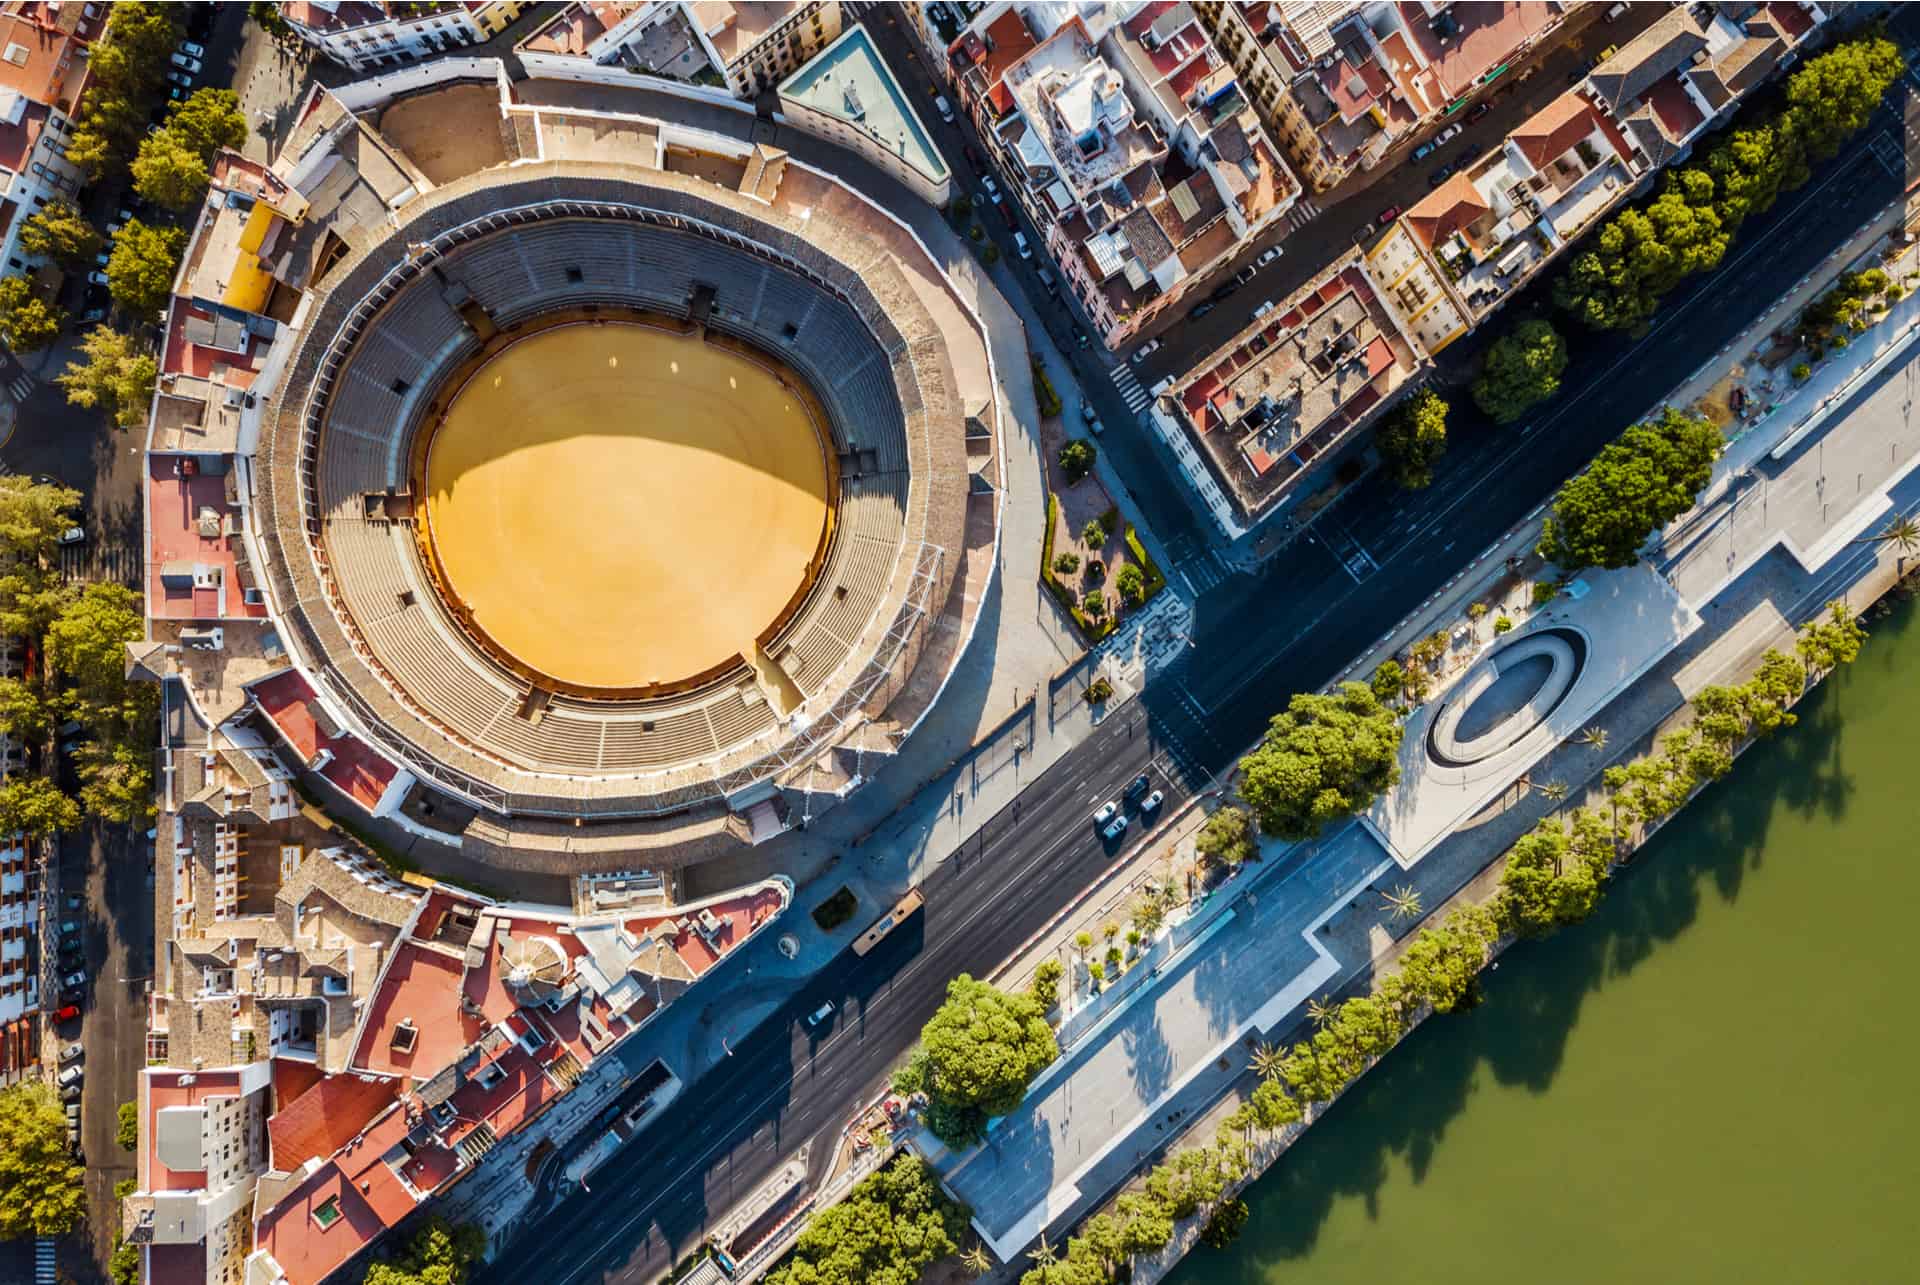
(169, 172)
(1412, 438)
(1641, 254)
(140, 271)
(984, 1046)
(1225, 1224)
(1228, 837)
(1272, 1108)
(1076, 458)
(1403, 902)
(123, 1266)
(116, 378)
(1752, 167)
(27, 322)
(1827, 644)
(208, 120)
(440, 1253)
(1440, 966)
(1094, 534)
(1594, 737)
(127, 70)
(885, 1232)
(976, 1260)
(1635, 486)
(34, 806)
(1833, 95)
(1388, 681)
(116, 780)
(58, 231)
(1903, 533)
(1522, 369)
(1325, 758)
(40, 1186)
(128, 1135)
(86, 645)
(1541, 888)
(1131, 583)
(25, 712)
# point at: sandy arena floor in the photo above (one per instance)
(619, 506)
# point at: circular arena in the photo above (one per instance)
(590, 497)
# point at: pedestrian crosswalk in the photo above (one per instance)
(1302, 213)
(45, 1269)
(1136, 397)
(1203, 573)
(21, 386)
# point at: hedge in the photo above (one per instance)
(1090, 629)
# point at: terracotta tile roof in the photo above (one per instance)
(1552, 130)
(291, 1078)
(1449, 208)
(1668, 45)
(322, 1121)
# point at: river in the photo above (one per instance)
(1709, 1081)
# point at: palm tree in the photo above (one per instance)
(1553, 791)
(1319, 1011)
(1042, 1254)
(1403, 901)
(1266, 1061)
(1595, 736)
(976, 1261)
(1902, 533)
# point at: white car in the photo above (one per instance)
(1263, 309)
(72, 1053)
(1108, 811)
(73, 535)
(1151, 804)
(1267, 256)
(96, 278)
(191, 50)
(819, 1015)
(1114, 829)
(179, 78)
(186, 62)
(1146, 350)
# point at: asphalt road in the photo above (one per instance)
(1256, 641)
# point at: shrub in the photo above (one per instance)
(1802, 371)
(1093, 534)
(835, 910)
(1131, 583)
(1114, 960)
(1097, 691)
(1095, 603)
(1097, 972)
(1227, 837)
(977, 232)
(1544, 592)
(992, 255)
(1076, 458)
(1046, 983)
(1043, 391)
(1502, 624)
(1067, 563)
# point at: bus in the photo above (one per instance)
(886, 923)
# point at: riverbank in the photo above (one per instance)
(1630, 1075)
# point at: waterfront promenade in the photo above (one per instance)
(1765, 552)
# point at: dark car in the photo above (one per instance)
(1139, 786)
(1202, 310)
(973, 157)
(1480, 109)
(1221, 291)
(1440, 175)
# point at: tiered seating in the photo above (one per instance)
(673, 738)
(555, 742)
(449, 682)
(734, 720)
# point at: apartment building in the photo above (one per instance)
(745, 47)
(1135, 154)
(1495, 225)
(43, 69)
(366, 35)
(1342, 82)
(1261, 424)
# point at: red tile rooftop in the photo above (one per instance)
(325, 1119)
(178, 489)
(46, 58)
(1793, 20)
(1010, 40)
(422, 991)
(1490, 33)
(356, 1195)
(234, 369)
(1670, 101)
(292, 1077)
(522, 1092)
(355, 768)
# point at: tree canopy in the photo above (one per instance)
(126, 74)
(978, 1053)
(1324, 758)
(1228, 837)
(1412, 437)
(58, 231)
(1618, 281)
(1635, 486)
(440, 1253)
(1833, 95)
(1521, 370)
(117, 377)
(140, 270)
(34, 806)
(886, 1232)
(208, 120)
(40, 1185)
(169, 173)
(1554, 877)
(28, 323)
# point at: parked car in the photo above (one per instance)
(1108, 811)
(193, 50)
(74, 535)
(819, 1015)
(987, 196)
(93, 315)
(1221, 291)
(1243, 276)
(96, 278)
(69, 927)
(1480, 109)
(1047, 281)
(1114, 829)
(1202, 310)
(940, 103)
(1263, 309)
(1020, 245)
(180, 78)
(71, 1093)
(1441, 175)
(973, 156)
(1267, 256)
(72, 1052)
(186, 62)
(72, 1075)
(1146, 350)
(67, 1014)
(1151, 804)
(1438, 141)
(1387, 215)
(74, 981)
(1137, 787)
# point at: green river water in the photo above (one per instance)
(1712, 1080)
